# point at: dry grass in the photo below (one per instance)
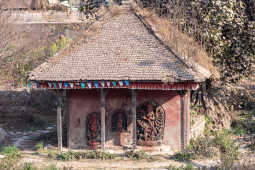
(182, 44)
(115, 10)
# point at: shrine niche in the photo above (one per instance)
(150, 124)
(93, 130)
(119, 121)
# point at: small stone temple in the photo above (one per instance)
(124, 88)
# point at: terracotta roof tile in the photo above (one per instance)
(124, 49)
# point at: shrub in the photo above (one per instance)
(67, 156)
(137, 155)
(51, 154)
(252, 146)
(200, 147)
(227, 147)
(39, 146)
(184, 156)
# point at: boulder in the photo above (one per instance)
(3, 136)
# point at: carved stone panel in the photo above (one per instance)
(93, 130)
(150, 124)
(119, 121)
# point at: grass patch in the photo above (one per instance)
(29, 166)
(187, 167)
(13, 154)
(203, 147)
(70, 155)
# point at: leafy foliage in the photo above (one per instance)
(225, 28)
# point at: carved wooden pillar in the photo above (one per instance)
(59, 122)
(102, 97)
(182, 94)
(133, 110)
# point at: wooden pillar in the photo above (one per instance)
(68, 119)
(182, 94)
(59, 123)
(102, 99)
(133, 110)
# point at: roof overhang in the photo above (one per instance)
(125, 84)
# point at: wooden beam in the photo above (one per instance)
(133, 110)
(59, 123)
(102, 98)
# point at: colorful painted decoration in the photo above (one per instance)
(83, 85)
(102, 83)
(96, 84)
(127, 82)
(90, 85)
(66, 85)
(55, 85)
(60, 85)
(114, 83)
(37, 84)
(71, 85)
(120, 83)
(29, 84)
(108, 83)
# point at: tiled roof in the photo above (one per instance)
(123, 49)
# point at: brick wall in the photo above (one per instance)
(83, 102)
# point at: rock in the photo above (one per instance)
(2, 156)
(3, 137)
